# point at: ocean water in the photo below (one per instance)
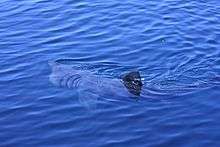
(175, 44)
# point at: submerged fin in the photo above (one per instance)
(88, 99)
(132, 81)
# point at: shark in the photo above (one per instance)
(90, 86)
(130, 85)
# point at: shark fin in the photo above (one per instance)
(132, 81)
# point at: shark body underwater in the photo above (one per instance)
(89, 85)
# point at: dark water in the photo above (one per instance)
(173, 43)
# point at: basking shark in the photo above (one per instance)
(91, 86)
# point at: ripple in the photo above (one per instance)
(174, 44)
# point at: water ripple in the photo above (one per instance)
(174, 45)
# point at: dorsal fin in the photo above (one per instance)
(132, 81)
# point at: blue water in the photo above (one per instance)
(175, 44)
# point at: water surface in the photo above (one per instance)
(173, 43)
